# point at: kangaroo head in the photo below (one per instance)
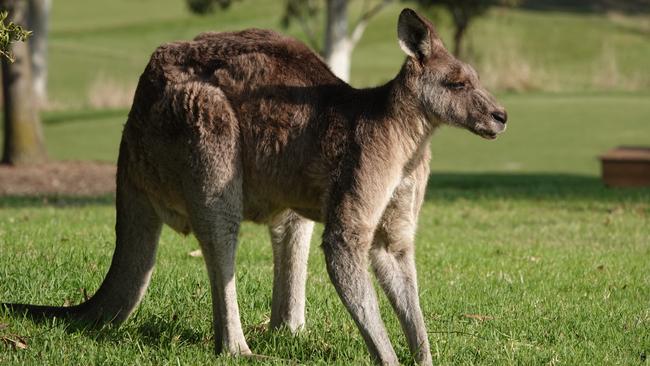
(447, 89)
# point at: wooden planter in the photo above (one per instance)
(626, 166)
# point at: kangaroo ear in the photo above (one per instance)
(414, 34)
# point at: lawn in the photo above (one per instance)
(556, 266)
(519, 231)
(524, 257)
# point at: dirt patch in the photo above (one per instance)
(60, 178)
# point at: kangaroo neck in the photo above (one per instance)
(393, 114)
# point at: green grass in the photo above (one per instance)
(557, 262)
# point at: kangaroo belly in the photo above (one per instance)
(265, 198)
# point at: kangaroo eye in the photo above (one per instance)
(455, 85)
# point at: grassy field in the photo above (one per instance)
(99, 51)
(524, 257)
(555, 264)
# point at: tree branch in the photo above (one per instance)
(365, 17)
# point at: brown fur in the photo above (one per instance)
(252, 125)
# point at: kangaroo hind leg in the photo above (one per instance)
(215, 215)
(217, 227)
(213, 192)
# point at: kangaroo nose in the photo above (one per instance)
(500, 116)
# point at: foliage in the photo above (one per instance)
(467, 9)
(9, 33)
(589, 6)
(207, 6)
(463, 12)
(297, 9)
(304, 12)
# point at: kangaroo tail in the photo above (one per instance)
(137, 231)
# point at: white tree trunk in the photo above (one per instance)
(38, 22)
(338, 47)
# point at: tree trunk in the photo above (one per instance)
(23, 134)
(38, 23)
(459, 34)
(338, 47)
(461, 16)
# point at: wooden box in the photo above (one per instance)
(626, 166)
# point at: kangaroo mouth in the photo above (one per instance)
(489, 131)
(486, 134)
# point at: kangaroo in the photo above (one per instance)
(252, 125)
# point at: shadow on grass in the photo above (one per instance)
(56, 201)
(153, 331)
(159, 331)
(538, 186)
(442, 187)
(83, 115)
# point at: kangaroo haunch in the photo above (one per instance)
(252, 125)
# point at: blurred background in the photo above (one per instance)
(574, 75)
